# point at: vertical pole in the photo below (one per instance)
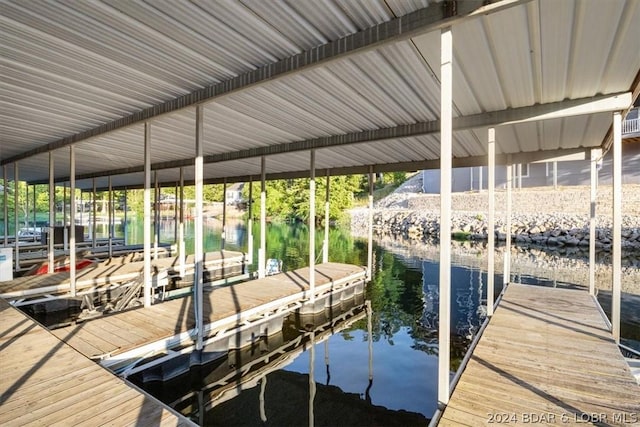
(312, 380)
(250, 224)
(26, 209)
(147, 215)
(5, 204)
(65, 229)
(110, 216)
(446, 133)
(34, 212)
(555, 175)
(616, 244)
(198, 228)
(507, 248)
(312, 226)
(72, 220)
(94, 226)
(491, 219)
(370, 228)
(519, 172)
(16, 201)
(175, 214)
(592, 221)
(223, 237)
(124, 227)
(263, 220)
(52, 215)
(156, 215)
(181, 246)
(325, 245)
(480, 178)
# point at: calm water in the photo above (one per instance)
(388, 377)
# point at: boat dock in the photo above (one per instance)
(546, 356)
(233, 316)
(45, 381)
(117, 271)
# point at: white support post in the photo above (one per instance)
(52, 215)
(16, 202)
(312, 225)
(555, 175)
(94, 216)
(147, 215)
(124, 225)
(65, 229)
(250, 224)
(325, 243)
(616, 244)
(175, 214)
(592, 220)
(198, 228)
(446, 139)
(370, 229)
(156, 216)
(507, 245)
(5, 183)
(181, 246)
(262, 252)
(480, 179)
(34, 211)
(491, 219)
(223, 236)
(72, 220)
(110, 216)
(519, 172)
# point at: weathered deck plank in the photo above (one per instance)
(546, 355)
(46, 382)
(100, 337)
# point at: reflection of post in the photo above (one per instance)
(326, 360)
(263, 387)
(312, 382)
(370, 339)
(201, 407)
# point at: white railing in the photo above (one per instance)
(631, 126)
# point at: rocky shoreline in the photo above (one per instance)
(559, 231)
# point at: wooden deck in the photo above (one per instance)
(545, 357)
(46, 382)
(113, 271)
(224, 308)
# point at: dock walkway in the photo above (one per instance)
(113, 271)
(546, 357)
(46, 382)
(226, 310)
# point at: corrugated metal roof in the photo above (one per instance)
(70, 67)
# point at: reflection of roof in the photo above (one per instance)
(276, 79)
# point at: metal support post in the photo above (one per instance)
(16, 202)
(110, 216)
(198, 228)
(592, 221)
(65, 229)
(312, 225)
(223, 236)
(93, 219)
(156, 216)
(124, 226)
(147, 215)
(491, 219)
(325, 244)
(5, 205)
(263, 220)
(446, 136)
(52, 215)
(555, 175)
(72, 220)
(250, 224)
(616, 244)
(175, 214)
(370, 229)
(507, 248)
(181, 246)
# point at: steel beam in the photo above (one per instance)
(5, 205)
(312, 225)
(16, 202)
(110, 217)
(446, 154)
(52, 215)
(72, 221)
